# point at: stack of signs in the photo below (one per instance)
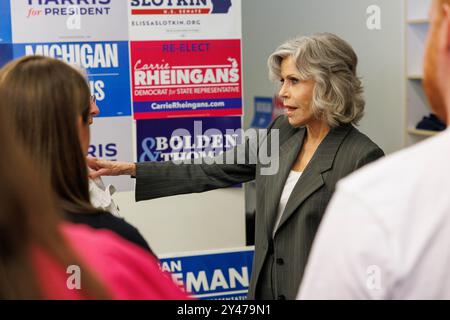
(160, 59)
(175, 64)
(186, 67)
(94, 36)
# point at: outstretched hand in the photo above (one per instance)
(109, 168)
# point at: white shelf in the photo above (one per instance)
(416, 102)
(415, 77)
(419, 21)
(424, 133)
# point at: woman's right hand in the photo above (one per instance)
(109, 168)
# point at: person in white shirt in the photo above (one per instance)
(386, 232)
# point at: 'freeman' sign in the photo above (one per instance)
(219, 275)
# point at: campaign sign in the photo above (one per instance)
(111, 139)
(263, 112)
(278, 107)
(6, 53)
(212, 275)
(5, 22)
(64, 20)
(106, 64)
(186, 78)
(186, 138)
(184, 19)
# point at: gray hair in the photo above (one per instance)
(331, 63)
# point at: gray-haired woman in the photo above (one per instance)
(318, 145)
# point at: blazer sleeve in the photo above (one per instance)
(161, 179)
(372, 155)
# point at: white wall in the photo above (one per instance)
(216, 219)
(211, 220)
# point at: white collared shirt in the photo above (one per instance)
(386, 233)
(101, 196)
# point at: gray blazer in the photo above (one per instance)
(279, 261)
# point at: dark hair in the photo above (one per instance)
(44, 99)
(28, 215)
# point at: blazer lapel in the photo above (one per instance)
(311, 179)
(274, 184)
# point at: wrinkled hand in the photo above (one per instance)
(109, 168)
